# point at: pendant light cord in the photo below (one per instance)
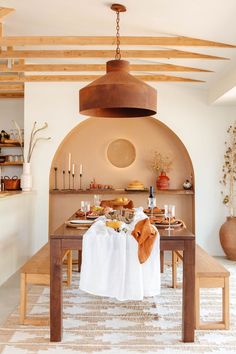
(118, 53)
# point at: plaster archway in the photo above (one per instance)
(87, 143)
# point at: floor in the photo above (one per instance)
(104, 326)
(9, 296)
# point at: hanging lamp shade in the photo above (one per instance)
(118, 94)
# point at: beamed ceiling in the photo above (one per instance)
(62, 41)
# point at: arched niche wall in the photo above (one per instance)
(88, 143)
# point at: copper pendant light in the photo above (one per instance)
(117, 94)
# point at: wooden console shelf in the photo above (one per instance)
(7, 145)
(11, 163)
(120, 191)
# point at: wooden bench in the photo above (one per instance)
(209, 274)
(37, 271)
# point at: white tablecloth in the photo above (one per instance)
(110, 265)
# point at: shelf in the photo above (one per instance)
(7, 145)
(120, 191)
(175, 191)
(11, 163)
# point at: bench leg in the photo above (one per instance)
(23, 299)
(174, 269)
(197, 303)
(69, 267)
(162, 261)
(79, 260)
(225, 304)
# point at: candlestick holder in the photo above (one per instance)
(64, 179)
(73, 181)
(69, 180)
(55, 179)
(80, 181)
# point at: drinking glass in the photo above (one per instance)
(169, 213)
(85, 207)
(16, 134)
(97, 199)
(12, 134)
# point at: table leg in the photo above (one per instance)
(55, 290)
(188, 304)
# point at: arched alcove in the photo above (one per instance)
(88, 143)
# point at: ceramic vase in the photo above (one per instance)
(228, 237)
(163, 181)
(26, 178)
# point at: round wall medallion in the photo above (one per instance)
(121, 153)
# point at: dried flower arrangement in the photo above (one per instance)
(33, 140)
(229, 170)
(161, 163)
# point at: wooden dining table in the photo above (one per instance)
(65, 238)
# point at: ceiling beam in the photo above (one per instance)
(95, 67)
(4, 11)
(109, 40)
(68, 78)
(11, 94)
(11, 87)
(172, 53)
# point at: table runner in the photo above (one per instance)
(110, 265)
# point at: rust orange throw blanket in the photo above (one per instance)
(145, 235)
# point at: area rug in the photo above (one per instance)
(100, 325)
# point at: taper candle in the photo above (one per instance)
(81, 169)
(73, 169)
(69, 163)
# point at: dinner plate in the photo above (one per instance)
(92, 217)
(80, 222)
(174, 225)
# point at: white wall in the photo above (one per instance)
(201, 127)
(16, 213)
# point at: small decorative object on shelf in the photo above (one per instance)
(69, 179)
(228, 229)
(73, 181)
(187, 185)
(26, 177)
(64, 179)
(161, 165)
(135, 185)
(95, 185)
(163, 181)
(3, 136)
(55, 178)
(80, 176)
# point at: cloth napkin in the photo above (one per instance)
(145, 235)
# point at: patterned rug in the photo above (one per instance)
(99, 325)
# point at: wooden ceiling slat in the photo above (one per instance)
(11, 94)
(4, 11)
(171, 53)
(11, 87)
(109, 40)
(67, 78)
(95, 67)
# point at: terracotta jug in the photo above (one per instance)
(228, 237)
(162, 181)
